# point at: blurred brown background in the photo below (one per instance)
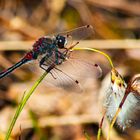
(52, 113)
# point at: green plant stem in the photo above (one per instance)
(86, 135)
(98, 51)
(22, 104)
(99, 134)
(36, 127)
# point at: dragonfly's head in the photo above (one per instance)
(61, 41)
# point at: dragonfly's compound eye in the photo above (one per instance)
(61, 41)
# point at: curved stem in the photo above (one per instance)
(98, 51)
(22, 104)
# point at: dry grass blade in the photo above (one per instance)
(99, 44)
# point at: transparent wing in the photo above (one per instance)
(72, 74)
(79, 33)
(75, 34)
(59, 78)
(84, 66)
(83, 69)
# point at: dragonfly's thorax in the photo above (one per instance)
(43, 45)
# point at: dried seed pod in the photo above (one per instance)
(123, 96)
(122, 101)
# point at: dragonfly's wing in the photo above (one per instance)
(71, 73)
(59, 78)
(79, 33)
(83, 68)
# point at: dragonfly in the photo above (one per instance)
(54, 50)
(122, 101)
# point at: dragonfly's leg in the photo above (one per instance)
(41, 65)
(41, 62)
(64, 54)
(43, 59)
(53, 75)
(56, 56)
(68, 51)
(46, 70)
(60, 56)
(72, 46)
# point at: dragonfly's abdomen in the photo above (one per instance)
(9, 70)
(28, 57)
